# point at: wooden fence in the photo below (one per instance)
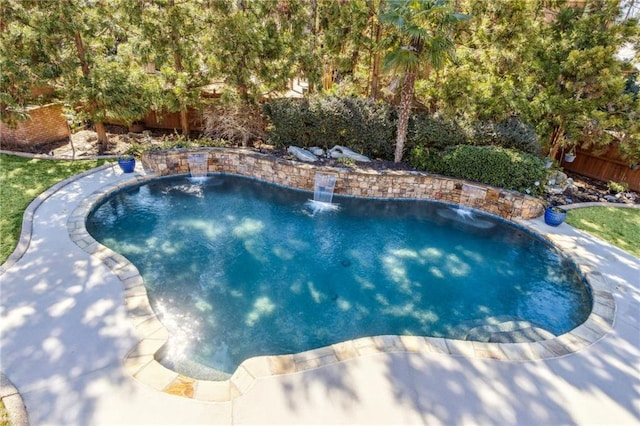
(605, 167)
(171, 120)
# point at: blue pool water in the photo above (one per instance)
(237, 268)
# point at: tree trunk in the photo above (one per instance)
(81, 53)
(177, 65)
(404, 111)
(184, 122)
(374, 70)
(554, 146)
(103, 141)
(375, 66)
(312, 78)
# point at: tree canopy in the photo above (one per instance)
(552, 63)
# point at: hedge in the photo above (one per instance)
(432, 131)
(369, 127)
(510, 133)
(363, 125)
(495, 166)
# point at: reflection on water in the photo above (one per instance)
(237, 268)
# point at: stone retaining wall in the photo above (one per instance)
(354, 181)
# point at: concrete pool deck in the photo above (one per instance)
(65, 334)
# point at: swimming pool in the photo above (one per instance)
(237, 268)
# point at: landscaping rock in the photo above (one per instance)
(341, 152)
(316, 151)
(302, 154)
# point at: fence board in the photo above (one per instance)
(606, 167)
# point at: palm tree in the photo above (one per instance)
(425, 30)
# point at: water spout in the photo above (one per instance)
(469, 195)
(323, 187)
(323, 193)
(463, 213)
(198, 165)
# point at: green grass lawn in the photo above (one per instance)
(618, 226)
(22, 180)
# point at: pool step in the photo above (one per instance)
(461, 330)
(501, 329)
(529, 334)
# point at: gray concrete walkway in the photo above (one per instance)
(65, 334)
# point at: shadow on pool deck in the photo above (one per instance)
(65, 334)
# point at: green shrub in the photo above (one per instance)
(435, 132)
(431, 131)
(496, 166)
(510, 133)
(289, 122)
(616, 187)
(363, 125)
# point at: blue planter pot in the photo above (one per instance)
(127, 166)
(554, 218)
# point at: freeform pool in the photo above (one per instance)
(237, 268)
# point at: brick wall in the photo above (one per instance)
(46, 123)
(354, 181)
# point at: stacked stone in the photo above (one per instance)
(360, 182)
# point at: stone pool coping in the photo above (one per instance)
(141, 363)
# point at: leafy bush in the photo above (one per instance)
(616, 187)
(432, 131)
(363, 125)
(435, 132)
(510, 133)
(369, 127)
(288, 122)
(496, 166)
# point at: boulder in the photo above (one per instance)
(302, 154)
(341, 151)
(557, 178)
(315, 150)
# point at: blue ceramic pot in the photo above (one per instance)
(554, 218)
(127, 166)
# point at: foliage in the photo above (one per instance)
(435, 132)
(174, 141)
(363, 125)
(557, 209)
(617, 187)
(346, 47)
(509, 133)
(4, 414)
(255, 46)
(423, 31)
(346, 161)
(439, 133)
(234, 122)
(619, 226)
(22, 180)
(168, 37)
(553, 64)
(496, 166)
(367, 126)
(72, 48)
